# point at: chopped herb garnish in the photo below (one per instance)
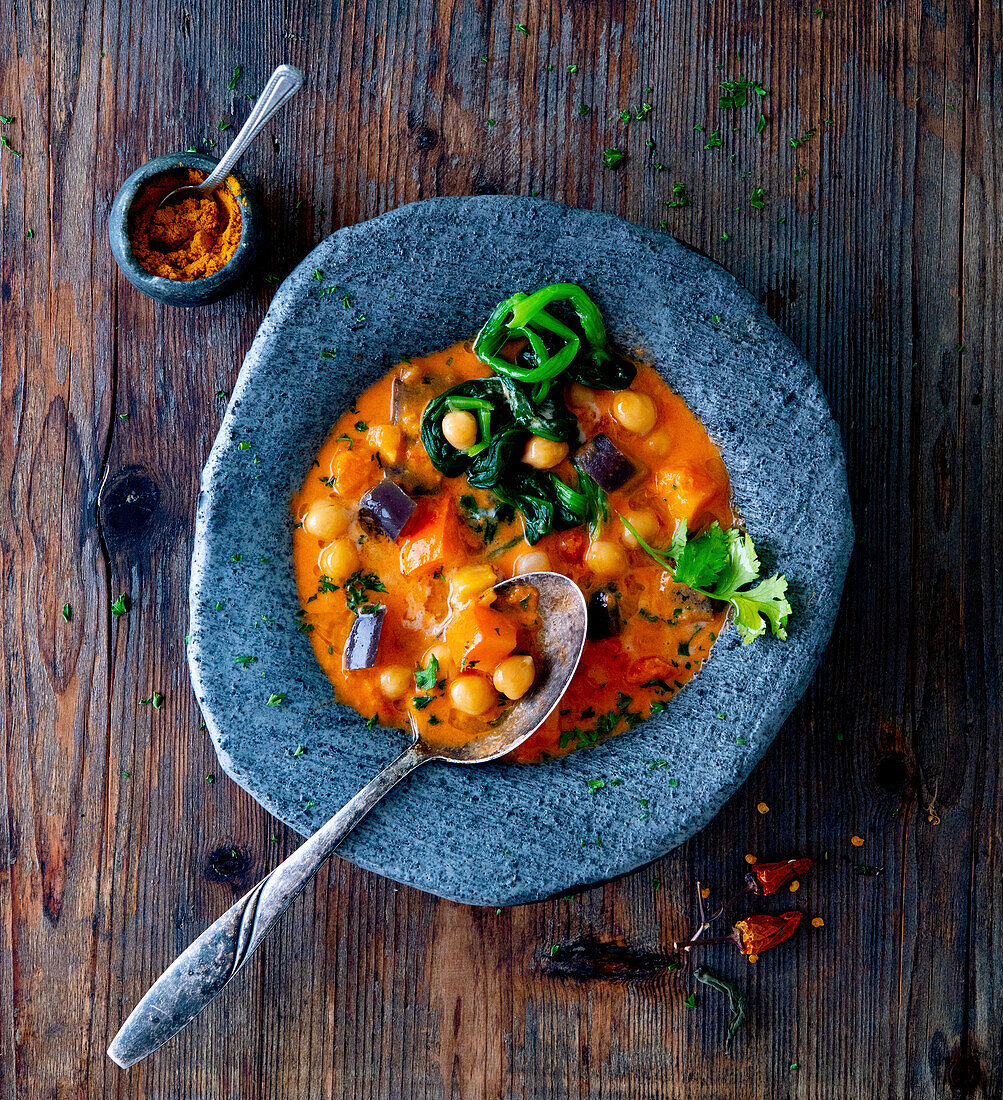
(120, 606)
(425, 678)
(358, 585)
(275, 699)
(67, 612)
(7, 145)
(244, 661)
(681, 198)
(361, 425)
(612, 157)
(237, 70)
(420, 702)
(735, 93)
(757, 198)
(522, 28)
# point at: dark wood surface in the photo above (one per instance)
(875, 251)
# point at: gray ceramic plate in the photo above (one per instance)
(418, 279)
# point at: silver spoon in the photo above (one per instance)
(199, 974)
(282, 85)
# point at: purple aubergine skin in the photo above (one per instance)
(363, 641)
(607, 466)
(388, 507)
(426, 276)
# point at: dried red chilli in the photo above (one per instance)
(757, 934)
(767, 878)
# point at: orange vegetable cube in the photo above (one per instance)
(688, 492)
(431, 538)
(480, 637)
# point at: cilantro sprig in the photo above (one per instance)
(722, 564)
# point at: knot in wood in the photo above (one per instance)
(127, 503)
(225, 864)
(426, 139)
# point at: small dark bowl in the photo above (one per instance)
(182, 292)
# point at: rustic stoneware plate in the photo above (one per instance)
(418, 279)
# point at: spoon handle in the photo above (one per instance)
(284, 83)
(199, 973)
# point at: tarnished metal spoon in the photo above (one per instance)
(199, 974)
(282, 85)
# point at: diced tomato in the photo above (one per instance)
(431, 538)
(480, 636)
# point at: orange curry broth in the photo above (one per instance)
(668, 629)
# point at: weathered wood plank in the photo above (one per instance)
(874, 251)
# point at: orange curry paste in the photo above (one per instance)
(667, 632)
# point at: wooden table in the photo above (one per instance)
(872, 247)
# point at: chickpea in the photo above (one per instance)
(460, 429)
(326, 520)
(542, 453)
(536, 561)
(605, 558)
(635, 411)
(469, 582)
(644, 521)
(338, 559)
(387, 440)
(395, 681)
(656, 444)
(514, 676)
(441, 653)
(581, 395)
(471, 693)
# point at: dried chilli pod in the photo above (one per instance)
(754, 935)
(767, 878)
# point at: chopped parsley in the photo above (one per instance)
(612, 157)
(120, 606)
(735, 93)
(357, 587)
(245, 661)
(420, 702)
(67, 612)
(237, 70)
(276, 699)
(424, 678)
(680, 199)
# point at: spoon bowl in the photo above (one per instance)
(198, 975)
(560, 644)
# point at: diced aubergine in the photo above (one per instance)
(387, 506)
(604, 619)
(364, 639)
(600, 459)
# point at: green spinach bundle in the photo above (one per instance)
(565, 342)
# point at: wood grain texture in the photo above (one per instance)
(876, 252)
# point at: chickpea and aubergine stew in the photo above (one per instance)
(534, 447)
